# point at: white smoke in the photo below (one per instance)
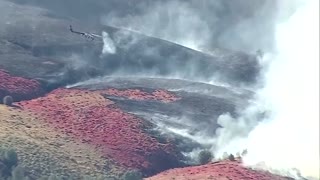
(170, 20)
(108, 44)
(289, 136)
(204, 24)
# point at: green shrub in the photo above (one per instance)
(4, 170)
(9, 168)
(244, 152)
(8, 161)
(8, 100)
(54, 177)
(10, 158)
(231, 157)
(18, 173)
(88, 178)
(132, 175)
(100, 177)
(225, 156)
(43, 178)
(205, 156)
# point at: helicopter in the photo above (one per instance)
(89, 36)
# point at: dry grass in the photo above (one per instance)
(42, 150)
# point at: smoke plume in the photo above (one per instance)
(204, 25)
(108, 45)
(289, 136)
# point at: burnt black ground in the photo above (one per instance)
(197, 110)
(36, 43)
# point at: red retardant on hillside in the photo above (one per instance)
(89, 117)
(224, 170)
(136, 94)
(19, 88)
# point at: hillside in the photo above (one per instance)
(79, 112)
(89, 132)
(217, 171)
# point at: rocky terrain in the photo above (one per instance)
(79, 112)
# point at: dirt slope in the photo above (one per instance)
(43, 150)
(225, 170)
(90, 118)
(19, 88)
